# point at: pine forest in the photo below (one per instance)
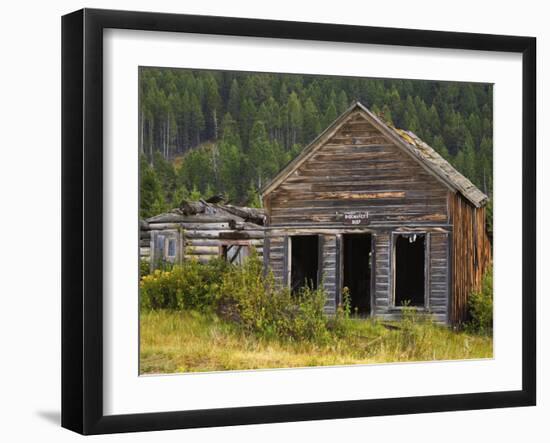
(203, 133)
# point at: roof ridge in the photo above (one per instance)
(418, 149)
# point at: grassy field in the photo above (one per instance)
(188, 341)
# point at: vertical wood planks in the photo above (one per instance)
(471, 254)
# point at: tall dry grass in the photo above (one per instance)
(189, 341)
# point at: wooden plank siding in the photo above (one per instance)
(359, 169)
(382, 274)
(329, 271)
(471, 254)
(360, 165)
(438, 298)
(276, 246)
(437, 285)
(279, 265)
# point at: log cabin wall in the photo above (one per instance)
(471, 254)
(199, 240)
(144, 242)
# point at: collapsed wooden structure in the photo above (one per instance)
(374, 209)
(201, 230)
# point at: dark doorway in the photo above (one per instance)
(304, 262)
(357, 271)
(409, 269)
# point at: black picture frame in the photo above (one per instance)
(82, 218)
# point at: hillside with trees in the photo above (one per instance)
(213, 132)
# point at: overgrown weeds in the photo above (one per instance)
(480, 306)
(183, 341)
(215, 316)
(246, 296)
(259, 305)
(190, 285)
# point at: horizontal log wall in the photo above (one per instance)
(201, 241)
(471, 254)
(145, 245)
(358, 170)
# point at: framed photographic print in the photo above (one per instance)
(270, 221)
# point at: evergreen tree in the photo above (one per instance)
(343, 103)
(331, 112)
(247, 117)
(261, 155)
(195, 194)
(439, 145)
(151, 200)
(253, 197)
(196, 118)
(230, 159)
(410, 119)
(166, 175)
(230, 131)
(312, 124)
(386, 115)
(181, 193)
(467, 101)
(234, 102)
(485, 166)
(212, 107)
(295, 118)
(469, 165)
(433, 122)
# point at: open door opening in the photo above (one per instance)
(409, 269)
(304, 262)
(357, 271)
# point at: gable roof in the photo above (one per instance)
(420, 151)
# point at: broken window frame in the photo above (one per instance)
(225, 245)
(393, 269)
(288, 258)
(169, 242)
(163, 253)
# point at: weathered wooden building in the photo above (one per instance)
(375, 209)
(202, 230)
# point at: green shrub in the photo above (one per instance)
(190, 285)
(248, 297)
(144, 268)
(480, 306)
(341, 324)
(253, 300)
(413, 335)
